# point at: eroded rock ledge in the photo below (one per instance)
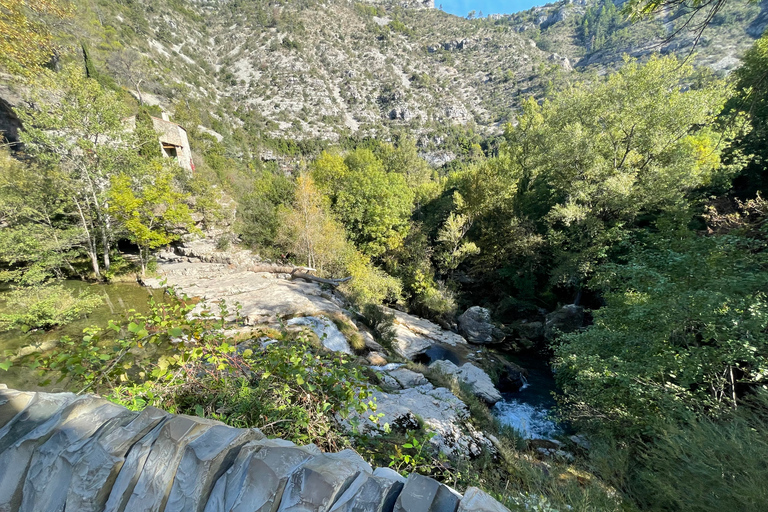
(61, 451)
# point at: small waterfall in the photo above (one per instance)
(527, 410)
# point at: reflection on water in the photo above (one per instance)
(119, 298)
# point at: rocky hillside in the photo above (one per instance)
(595, 34)
(308, 70)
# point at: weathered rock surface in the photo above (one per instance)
(479, 381)
(440, 410)
(565, 319)
(476, 500)
(263, 296)
(66, 452)
(330, 335)
(414, 335)
(476, 326)
(408, 378)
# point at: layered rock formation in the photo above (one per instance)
(67, 452)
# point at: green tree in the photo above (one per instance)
(308, 230)
(26, 42)
(374, 205)
(584, 169)
(151, 210)
(79, 128)
(682, 332)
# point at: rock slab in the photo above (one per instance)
(59, 451)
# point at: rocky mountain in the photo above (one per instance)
(307, 70)
(596, 34)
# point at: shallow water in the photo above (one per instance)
(528, 409)
(119, 299)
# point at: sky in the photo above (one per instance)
(462, 7)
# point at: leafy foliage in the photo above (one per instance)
(287, 387)
(682, 331)
(27, 43)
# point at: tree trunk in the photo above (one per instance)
(91, 242)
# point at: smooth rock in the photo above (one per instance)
(321, 480)
(408, 378)
(257, 478)
(95, 473)
(476, 326)
(479, 381)
(376, 359)
(205, 459)
(12, 403)
(475, 500)
(414, 335)
(50, 470)
(423, 494)
(145, 485)
(19, 438)
(327, 332)
(369, 494)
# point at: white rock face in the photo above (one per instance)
(414, 335)
(441, 411)
(330, 335)
(474, 377)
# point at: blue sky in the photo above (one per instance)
(462, 7)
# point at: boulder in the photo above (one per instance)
(565, 319)
(408, 378)
(326, 331)
(51, 468)
(204, 460)
(103, 458)
(440, 411)
(423, 494)
(256, 479)
(370, 494)
(376, 359)
(144, 482)
(414, 335)
(318, 483)
(475, 500)
(476, 326)
(30, 428)
(479, 381)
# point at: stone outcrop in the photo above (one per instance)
(67, 452)
(327, 332)
(476, 326)
(414, 335)
(565, 319)
(479, 381)
(441, 412)
(264, 296)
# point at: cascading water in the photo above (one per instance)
(527, 410)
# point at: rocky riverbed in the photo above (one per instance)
(405, 398)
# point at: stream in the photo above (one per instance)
(119, 298)
(527, 410)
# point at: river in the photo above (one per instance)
(119, 298)
(528, 410)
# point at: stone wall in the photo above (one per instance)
(60, 451)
